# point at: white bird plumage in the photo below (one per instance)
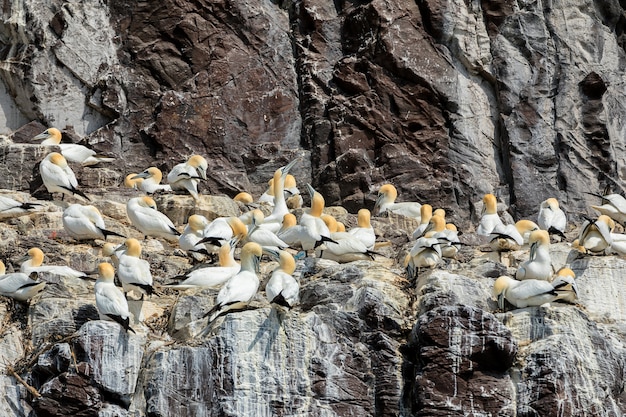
(145, 217)
(489, 218)
(185, 176)
(85, 222)
(242, 287)
(71, 151)
(531, 292)
(134, 272)
(282, 288)
(33, 262)
(57, 176)
(10, 208)
(208, 275)
(386, 201)
(18, 285)
(149, 181)
(110, 300)
(539, 263)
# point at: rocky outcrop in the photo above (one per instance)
(363, 339)
(447, 100)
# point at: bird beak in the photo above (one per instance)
(201, 173)
(257, 263)
(377, 204)
(271, 253)
(311, 190)
(23, 259)
(501, 301)
(286, 168)
(44, 135)
(142, 175)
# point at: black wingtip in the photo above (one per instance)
(554, 231)
(280, 300)
(29, 206)
(108, 233)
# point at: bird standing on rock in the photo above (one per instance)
(187, 175)
(58, 177)
(110, 301)
(241, 288)
(144, 215)
(71, 151)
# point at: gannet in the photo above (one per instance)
(58, 177)
(221, 230)
(18, 285)
(85, 222)
(208, 275)
(151, 181)
(531, 292)
(489, 216)
(241, 288)
(133, 272)
(316, 231)
(425, 253)
(113, 252)
(268, 195)
(539, 264)
(426, 212)
(364, 230)
(71, 151)
(33, 261)
(505, 238)
(144, 215)
(110, 300)
(565, 283)
(448, 237)
(192, 234)
(274, 220)
(11, 208)
(551, 217)
(387, 195)
(282, 288)
(244, 198)
(525, 228)
(292, 193)
(263, 237)
(132, 181)
(595, 236)
(613, 205)
(291, 232)
(185, 176)
(344, 247)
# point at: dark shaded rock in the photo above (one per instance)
(69, 394)
(455, 351)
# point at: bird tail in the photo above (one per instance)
(76, 191)
(108, 233)
(280, 300)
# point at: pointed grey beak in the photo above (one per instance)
(144, 174)
(286, 168)
(44, 135)
(311, 190)
(501, 301)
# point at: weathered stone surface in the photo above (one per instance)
(457, 352)
(447, 100)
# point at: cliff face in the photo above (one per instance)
(446, 100)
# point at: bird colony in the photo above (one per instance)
(230, 255)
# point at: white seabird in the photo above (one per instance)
(208, 275)
(551, 217)
(150, 181)
(33, 262)
(364, 230)
(144, 215)
(57, 176)
(10, 208)
(134, 272)
(489, 217)
(185, 176)
(242, 287)
(539, 263)
(85, 222)
(282, 288)
(110, 300)
(387, 195)
(531, 292)
(18, 285)
(71, 151)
